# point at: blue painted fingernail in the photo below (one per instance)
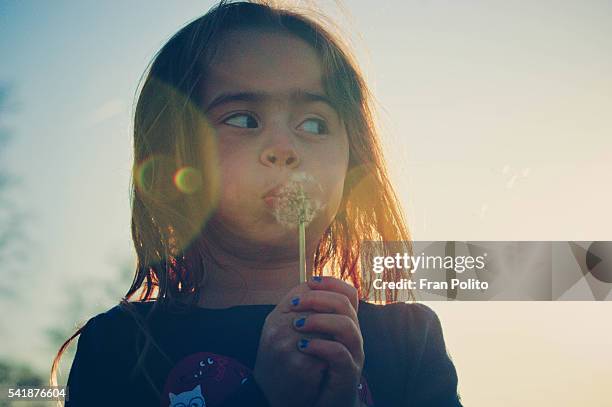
(300, 322)
(317, 279)
(303, 343)
(295, 301)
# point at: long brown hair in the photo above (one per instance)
(171, 181)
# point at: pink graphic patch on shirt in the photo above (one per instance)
(206, 379)
(203, 379)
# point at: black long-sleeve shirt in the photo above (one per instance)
(210, 354)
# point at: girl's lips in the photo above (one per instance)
(274, 191)
(271, 197)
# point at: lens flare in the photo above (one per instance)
(188, 180)
(176, 174)
(154, 178)
(360, 185)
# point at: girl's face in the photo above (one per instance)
(265, 98)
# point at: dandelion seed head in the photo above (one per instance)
(295, 204)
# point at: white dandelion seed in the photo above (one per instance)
(526, 172)
(510, 183)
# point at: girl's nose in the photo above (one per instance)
(280, 157)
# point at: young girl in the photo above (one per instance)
(239, 105)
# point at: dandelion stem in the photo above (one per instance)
(302, 239)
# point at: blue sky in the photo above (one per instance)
(495, 119)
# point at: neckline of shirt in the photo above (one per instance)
(235, 307)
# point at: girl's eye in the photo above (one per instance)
(316, 126)
(241, 120)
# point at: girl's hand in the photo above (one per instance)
(335, 304)
(287, 376)
(326, 371)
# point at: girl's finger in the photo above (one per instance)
(336, 285)
(323, 301)
(341, 328)
(337, 356)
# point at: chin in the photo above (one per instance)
(280, 237)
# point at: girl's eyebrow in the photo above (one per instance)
(298, 96)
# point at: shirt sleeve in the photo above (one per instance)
(435, 383)
(90, 379)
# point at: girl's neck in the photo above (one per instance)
(264, 277)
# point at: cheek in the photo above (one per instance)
(233, 184)
(233, 173)
(333, 188)
(238, 206)
(336, 195)
(232, 207)
(332, 168)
